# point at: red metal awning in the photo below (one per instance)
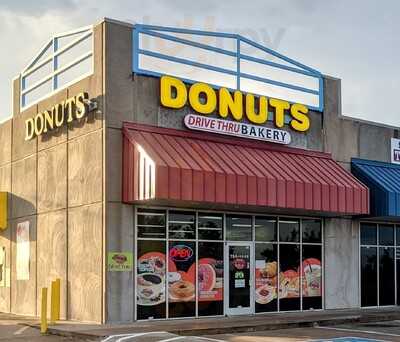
(175, 165)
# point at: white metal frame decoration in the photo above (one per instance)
(274, 70)
(50, 55)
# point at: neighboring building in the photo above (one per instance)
(117, 185)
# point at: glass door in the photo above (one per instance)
(239, 287)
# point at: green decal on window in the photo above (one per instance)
(120, 261)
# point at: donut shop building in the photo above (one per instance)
(164, 173)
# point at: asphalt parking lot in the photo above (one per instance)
(369, 332)
(380, 331)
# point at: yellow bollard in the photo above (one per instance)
(43, 312)
(55, 301)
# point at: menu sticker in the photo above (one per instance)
(120, 261)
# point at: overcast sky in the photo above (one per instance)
(355, 40)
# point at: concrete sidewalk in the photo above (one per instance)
(209, 326)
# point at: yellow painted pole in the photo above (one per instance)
(52, 303)
(43, 313)
(55, 301)
(58, 298)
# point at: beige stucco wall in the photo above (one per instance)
(56, 182)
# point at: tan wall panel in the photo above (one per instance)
(118, 77)
(94, 120)
(5, 178)
(55, 136)
(20, 147)
(114, 164)
(146, 106)
(85, 165)
(5, 142)
(52, 254)
(85, 263)
(16, 96)
(5, 235)
(23, 292)
(5, 292)
(120, 285)
(23, 199)
(52, 178)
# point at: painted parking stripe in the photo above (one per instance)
(119, 336)
(209, 339)
(173, 339)
(348, 339)
(20, 331)
(194, 338)
(360, 331)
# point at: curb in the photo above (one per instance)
(65, 333)
(266, 327)
(236, 329)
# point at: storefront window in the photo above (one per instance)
(266, 275)
(386, 276)
(398, 274)
(312, 277)
(369, 276)
(397, 235)
(368, 234)
(151, 223)
(210, 227)
(211, 278)
(265, 229)
(378, 264)
(181, 225)
(312, 231)
(386, 235)
(289, 277)
(238, 228)
(181, 279)
(187, 268)
(150, 279)
(289, 230)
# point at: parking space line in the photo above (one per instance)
(360, 331)
(173, 339)
(21, 330)
(209, 339)
(347, 339)
(122, 337)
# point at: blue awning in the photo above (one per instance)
(383, 180)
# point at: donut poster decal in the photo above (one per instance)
(182, 279)
(151, 268)
(266, 277)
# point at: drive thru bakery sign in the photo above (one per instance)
(237, 107)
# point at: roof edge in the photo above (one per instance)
(360, 161)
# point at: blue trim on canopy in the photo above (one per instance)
(383, 180)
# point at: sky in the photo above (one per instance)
(354, 40)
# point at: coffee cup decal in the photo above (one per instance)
(151, 279)
(150, 285)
